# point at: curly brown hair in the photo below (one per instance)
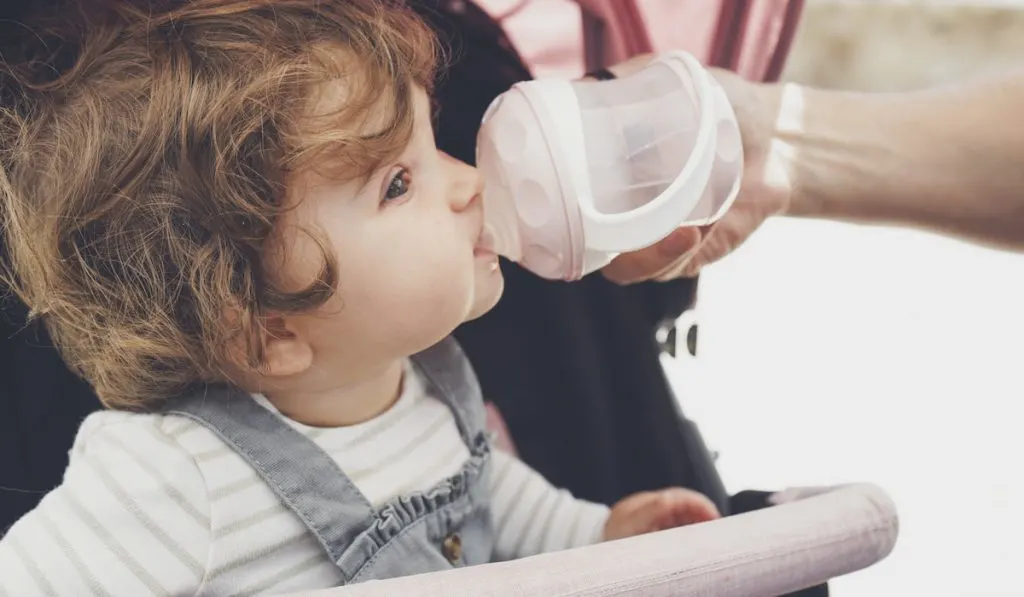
(146, 149)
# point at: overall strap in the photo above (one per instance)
(450, 376)
(302, 475)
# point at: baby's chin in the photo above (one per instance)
(487, 293)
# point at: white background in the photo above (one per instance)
(832, 353)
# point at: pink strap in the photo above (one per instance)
(751, 37)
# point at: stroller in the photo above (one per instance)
(813, 536)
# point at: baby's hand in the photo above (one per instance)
(651, 511)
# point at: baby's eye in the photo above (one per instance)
(398, 186)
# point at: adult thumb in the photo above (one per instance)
(650, 262)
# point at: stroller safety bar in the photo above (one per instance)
(794, 545)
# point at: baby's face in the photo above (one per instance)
(407, 243)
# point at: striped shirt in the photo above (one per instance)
(158, 505)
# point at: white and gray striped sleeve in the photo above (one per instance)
(531, 516)
(130, 518)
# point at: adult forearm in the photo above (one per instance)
(949, 159)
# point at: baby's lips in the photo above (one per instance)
(486, 240)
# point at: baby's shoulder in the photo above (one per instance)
(149, 436)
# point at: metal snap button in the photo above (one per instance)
(691, 340)
(665, 335)
(452, 548)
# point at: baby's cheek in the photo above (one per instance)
(434, 291)
(421, 317)
(444, 295)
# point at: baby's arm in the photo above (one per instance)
(531, 516)
(130, 518)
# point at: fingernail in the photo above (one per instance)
(678, 242)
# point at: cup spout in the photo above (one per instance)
(501, 224)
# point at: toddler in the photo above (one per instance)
(234, 222)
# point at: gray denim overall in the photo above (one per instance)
(444, 527)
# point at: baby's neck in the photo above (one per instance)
(348, 403)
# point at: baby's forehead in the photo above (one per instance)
(367, 127)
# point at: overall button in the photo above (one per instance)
(452, 548)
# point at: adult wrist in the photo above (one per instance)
(771, 121)
(825, 149)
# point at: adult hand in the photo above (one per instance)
(764, 191)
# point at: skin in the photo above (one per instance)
(410, 272)
(412, 267)
(949, 160)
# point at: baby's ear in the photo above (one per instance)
(285, 351)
